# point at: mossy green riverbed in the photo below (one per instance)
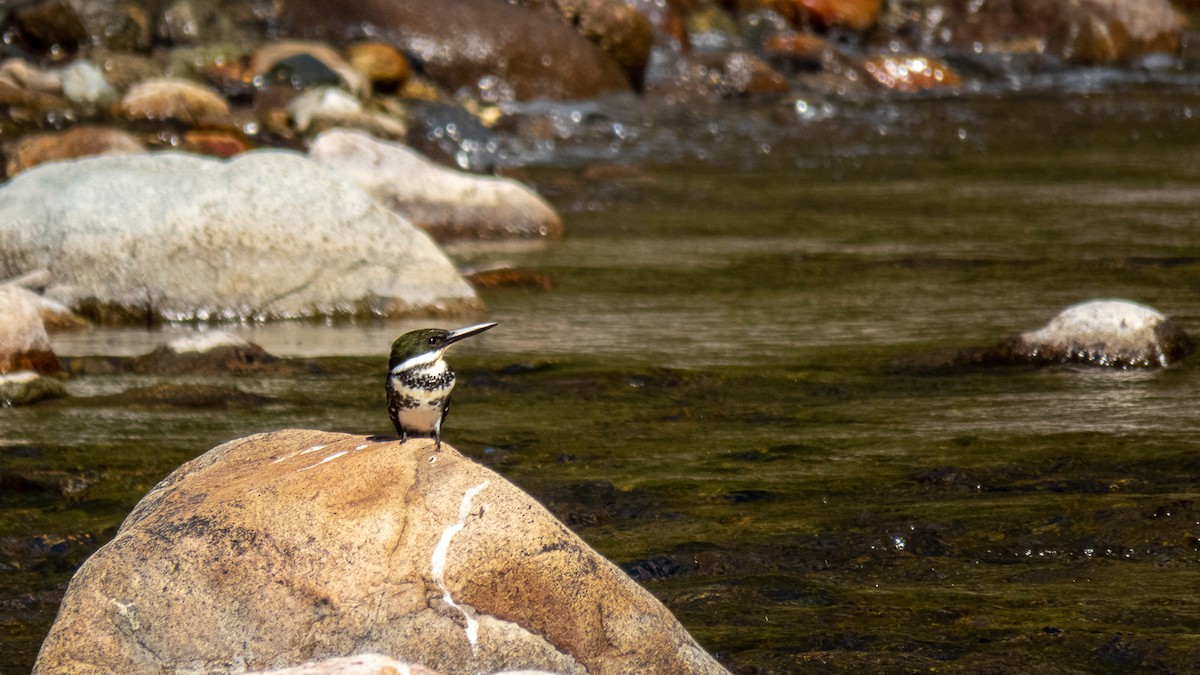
(720, 393)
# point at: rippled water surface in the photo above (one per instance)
(718, 391)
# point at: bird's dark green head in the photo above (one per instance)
(429, 343)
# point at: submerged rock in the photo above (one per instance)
(298, 545)
(493, 48)
(447, 203)
(268, 234)
(26, 387)
(210, 353)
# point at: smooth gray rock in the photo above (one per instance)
(266, 235)
(448, 203)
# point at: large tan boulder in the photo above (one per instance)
(296, 546)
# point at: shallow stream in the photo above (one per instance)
(719, 392)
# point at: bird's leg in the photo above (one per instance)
(437, 441)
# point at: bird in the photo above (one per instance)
(419, 380)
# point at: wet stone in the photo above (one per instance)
(302, 71)
(213, 354)
(50, 24)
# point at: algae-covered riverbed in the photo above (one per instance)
(719, 391)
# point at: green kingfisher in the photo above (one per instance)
(419, 381)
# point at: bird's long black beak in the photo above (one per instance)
(460, 333)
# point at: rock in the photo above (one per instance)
(26, 387)
(621, 30)
(22, 74)
(494, 49)
(1114, 333)
(452, 135)
(1093, 31)
(76, 142)
(299, 545)
(1109, 333)
(24, 344)
(362, 664)
(61, 483)
(122, 70)
(55, 316)
(174, 99)
(221, 144)
(268, 234)
(50, 25)
(83, 84)
(270, 56)
(853, 14)
(209, 353)
(803, 51)
(327, 108)
(380, 63)
(509, 277)
(29, 105)
(117, 24)
(910, 73)
(745, 74)
(447, 203)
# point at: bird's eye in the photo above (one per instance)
(433, 340)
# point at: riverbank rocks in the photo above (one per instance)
(1092, 31)
(496, 50)
(266, 235)
(295, 546)
(448, 204)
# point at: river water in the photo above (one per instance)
(720, 392)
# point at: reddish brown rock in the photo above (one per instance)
(910, 73)
(852, 14)
(297, 546)
(80, 141)
(493, 48)
(221, 144)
